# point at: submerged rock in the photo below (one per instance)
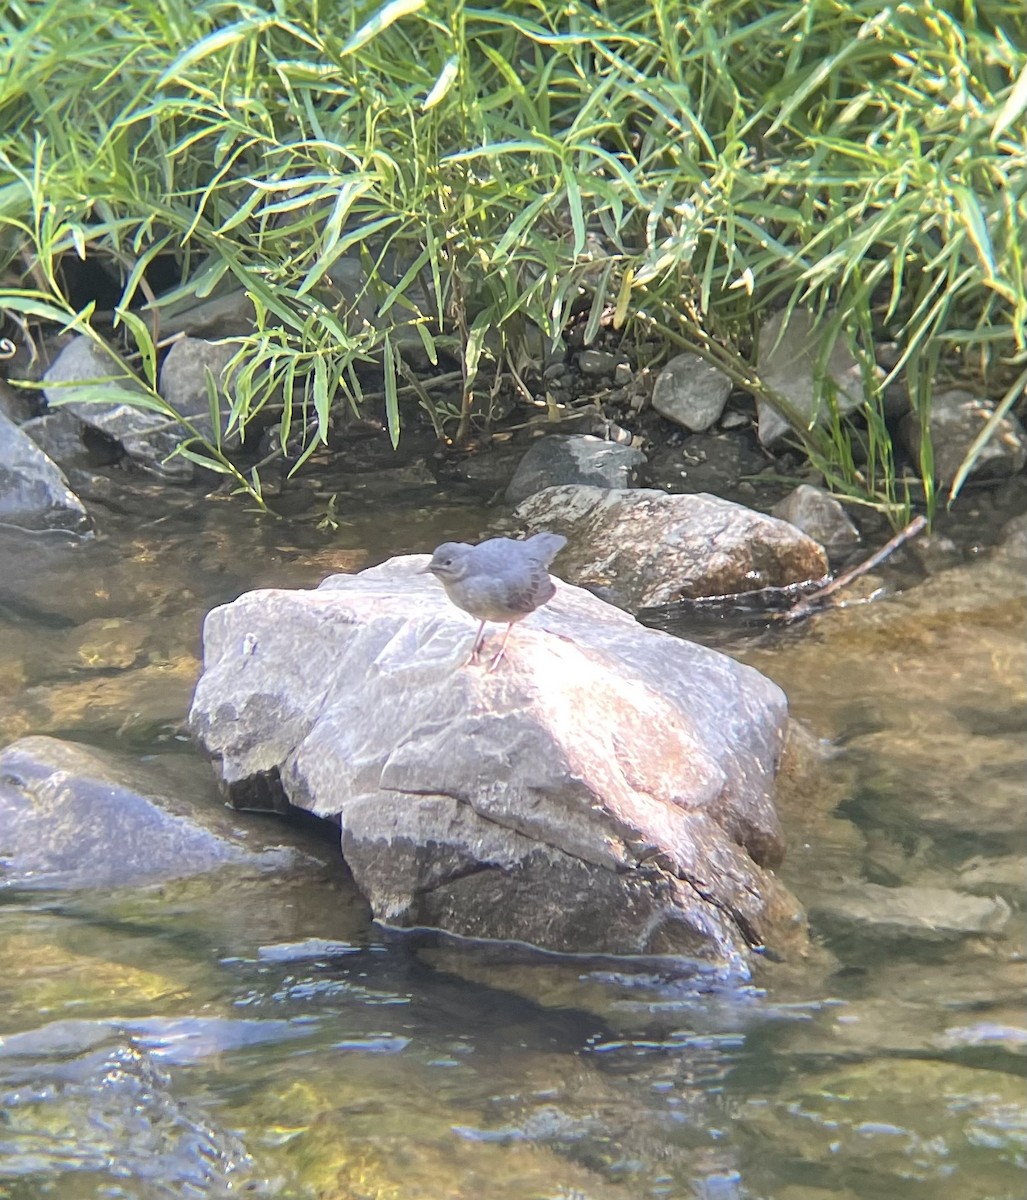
(901, 1126)
(95, 1113)
(919, 913)
(643, 548)
(34, 494)
(578, 458)
(73, 816)
(606, 790)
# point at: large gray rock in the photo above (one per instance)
(956, 419)
(34, 494)
(75, 817)
(147, 437)
(787, 364)
(691, 392)
(578, 458)
(645, 548)
(606, 790)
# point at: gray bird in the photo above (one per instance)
(498, 580)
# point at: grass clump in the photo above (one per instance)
(441, 180)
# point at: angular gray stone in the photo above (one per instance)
(645, 548)
(956, 418)
(34, 494)
(821, 516)
(147, 437)
(75, 817)
(606, 790)
(788, 366)
(59, 436)
(575, 458)
(691, 392)
(183, 383)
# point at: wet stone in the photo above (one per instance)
(901, 1124)
(147, 437)
(916, 913)
(641, 548)
(77, 817)
(34, 494)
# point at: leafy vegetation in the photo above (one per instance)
(441, 179)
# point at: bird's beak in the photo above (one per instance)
(425, 570)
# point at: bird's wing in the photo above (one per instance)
(532, 589)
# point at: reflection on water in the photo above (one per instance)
(256, 1034)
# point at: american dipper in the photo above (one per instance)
(497, 580)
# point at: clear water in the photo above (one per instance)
(246, 1034)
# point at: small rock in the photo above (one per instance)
(956, 419)
(644, 548)
(622, 374)
(574, 458)
(183, 383)
(597, 364)
(34, 494)
(148, 437)
(788, 365)
(735, 420)
(821, 516)
(691, 392)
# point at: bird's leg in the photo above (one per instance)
(499, 656)
(479, 641)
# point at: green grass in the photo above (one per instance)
(676, 170)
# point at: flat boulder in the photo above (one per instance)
(607, 790)
(642, 548)
(77, 817)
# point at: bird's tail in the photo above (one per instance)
(546, 546)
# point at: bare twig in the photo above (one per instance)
(809, 604)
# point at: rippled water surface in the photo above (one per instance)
(256, 1034)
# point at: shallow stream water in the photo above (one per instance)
(256, 1034)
